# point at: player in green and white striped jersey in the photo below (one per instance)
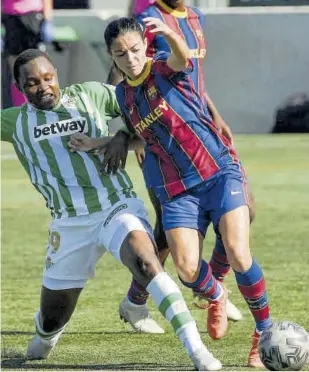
(92, 213)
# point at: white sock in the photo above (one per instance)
(168, 298)
(190, 338)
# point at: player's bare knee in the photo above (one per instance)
(140, 256)
(239, 256)
(188, 271)
(144, 269)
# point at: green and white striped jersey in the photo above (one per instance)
(70, 183)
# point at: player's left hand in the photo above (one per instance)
(47, 31)
(80, 142)
(157, 26)
(225, 130)
(115, 153)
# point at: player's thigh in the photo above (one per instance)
(229, 191)
(251, 200)
(185, 225)
(73, 251)
(230, 214)
(123, 219)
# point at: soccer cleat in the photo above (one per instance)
(40, 348)
(138, 317)
(232, 311)
(254, 358)
(217, 322)
(203, 360)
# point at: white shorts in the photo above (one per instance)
(77, 243)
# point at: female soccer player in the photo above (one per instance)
(91, 212)
(194, 170)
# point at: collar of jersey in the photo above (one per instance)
(142, 77)
(173, 12)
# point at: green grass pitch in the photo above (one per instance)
(278, 170)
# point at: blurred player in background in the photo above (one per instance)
(136, 7)
(28, 24)
(91, 212)
(188, 22)
(192, 168)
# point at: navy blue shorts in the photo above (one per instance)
(207, 202)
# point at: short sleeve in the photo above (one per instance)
(104, 98)
(162, 68)
(8, 123)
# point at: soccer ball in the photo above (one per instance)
(284, 347)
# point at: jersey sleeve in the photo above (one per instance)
(161, 67)
(104, 98)
(8, 123)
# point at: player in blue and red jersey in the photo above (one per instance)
(193, 169)
(189, 23)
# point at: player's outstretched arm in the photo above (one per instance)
(180, 56)
(8, 123)
(81, 142)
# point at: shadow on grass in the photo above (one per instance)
(16, 360)
(24, 333)
(22, 363)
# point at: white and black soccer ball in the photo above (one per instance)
(284, 347)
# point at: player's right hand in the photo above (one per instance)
(115, 153)
(157, 26)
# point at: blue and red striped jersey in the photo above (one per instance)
(183, 145)
(189, 24)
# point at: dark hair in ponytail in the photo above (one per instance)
(120, 27)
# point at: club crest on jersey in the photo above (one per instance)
(60, 128)
(69, 100)
(152, 92)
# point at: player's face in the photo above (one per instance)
(174, 3)
(129, 53)
(39, 82)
